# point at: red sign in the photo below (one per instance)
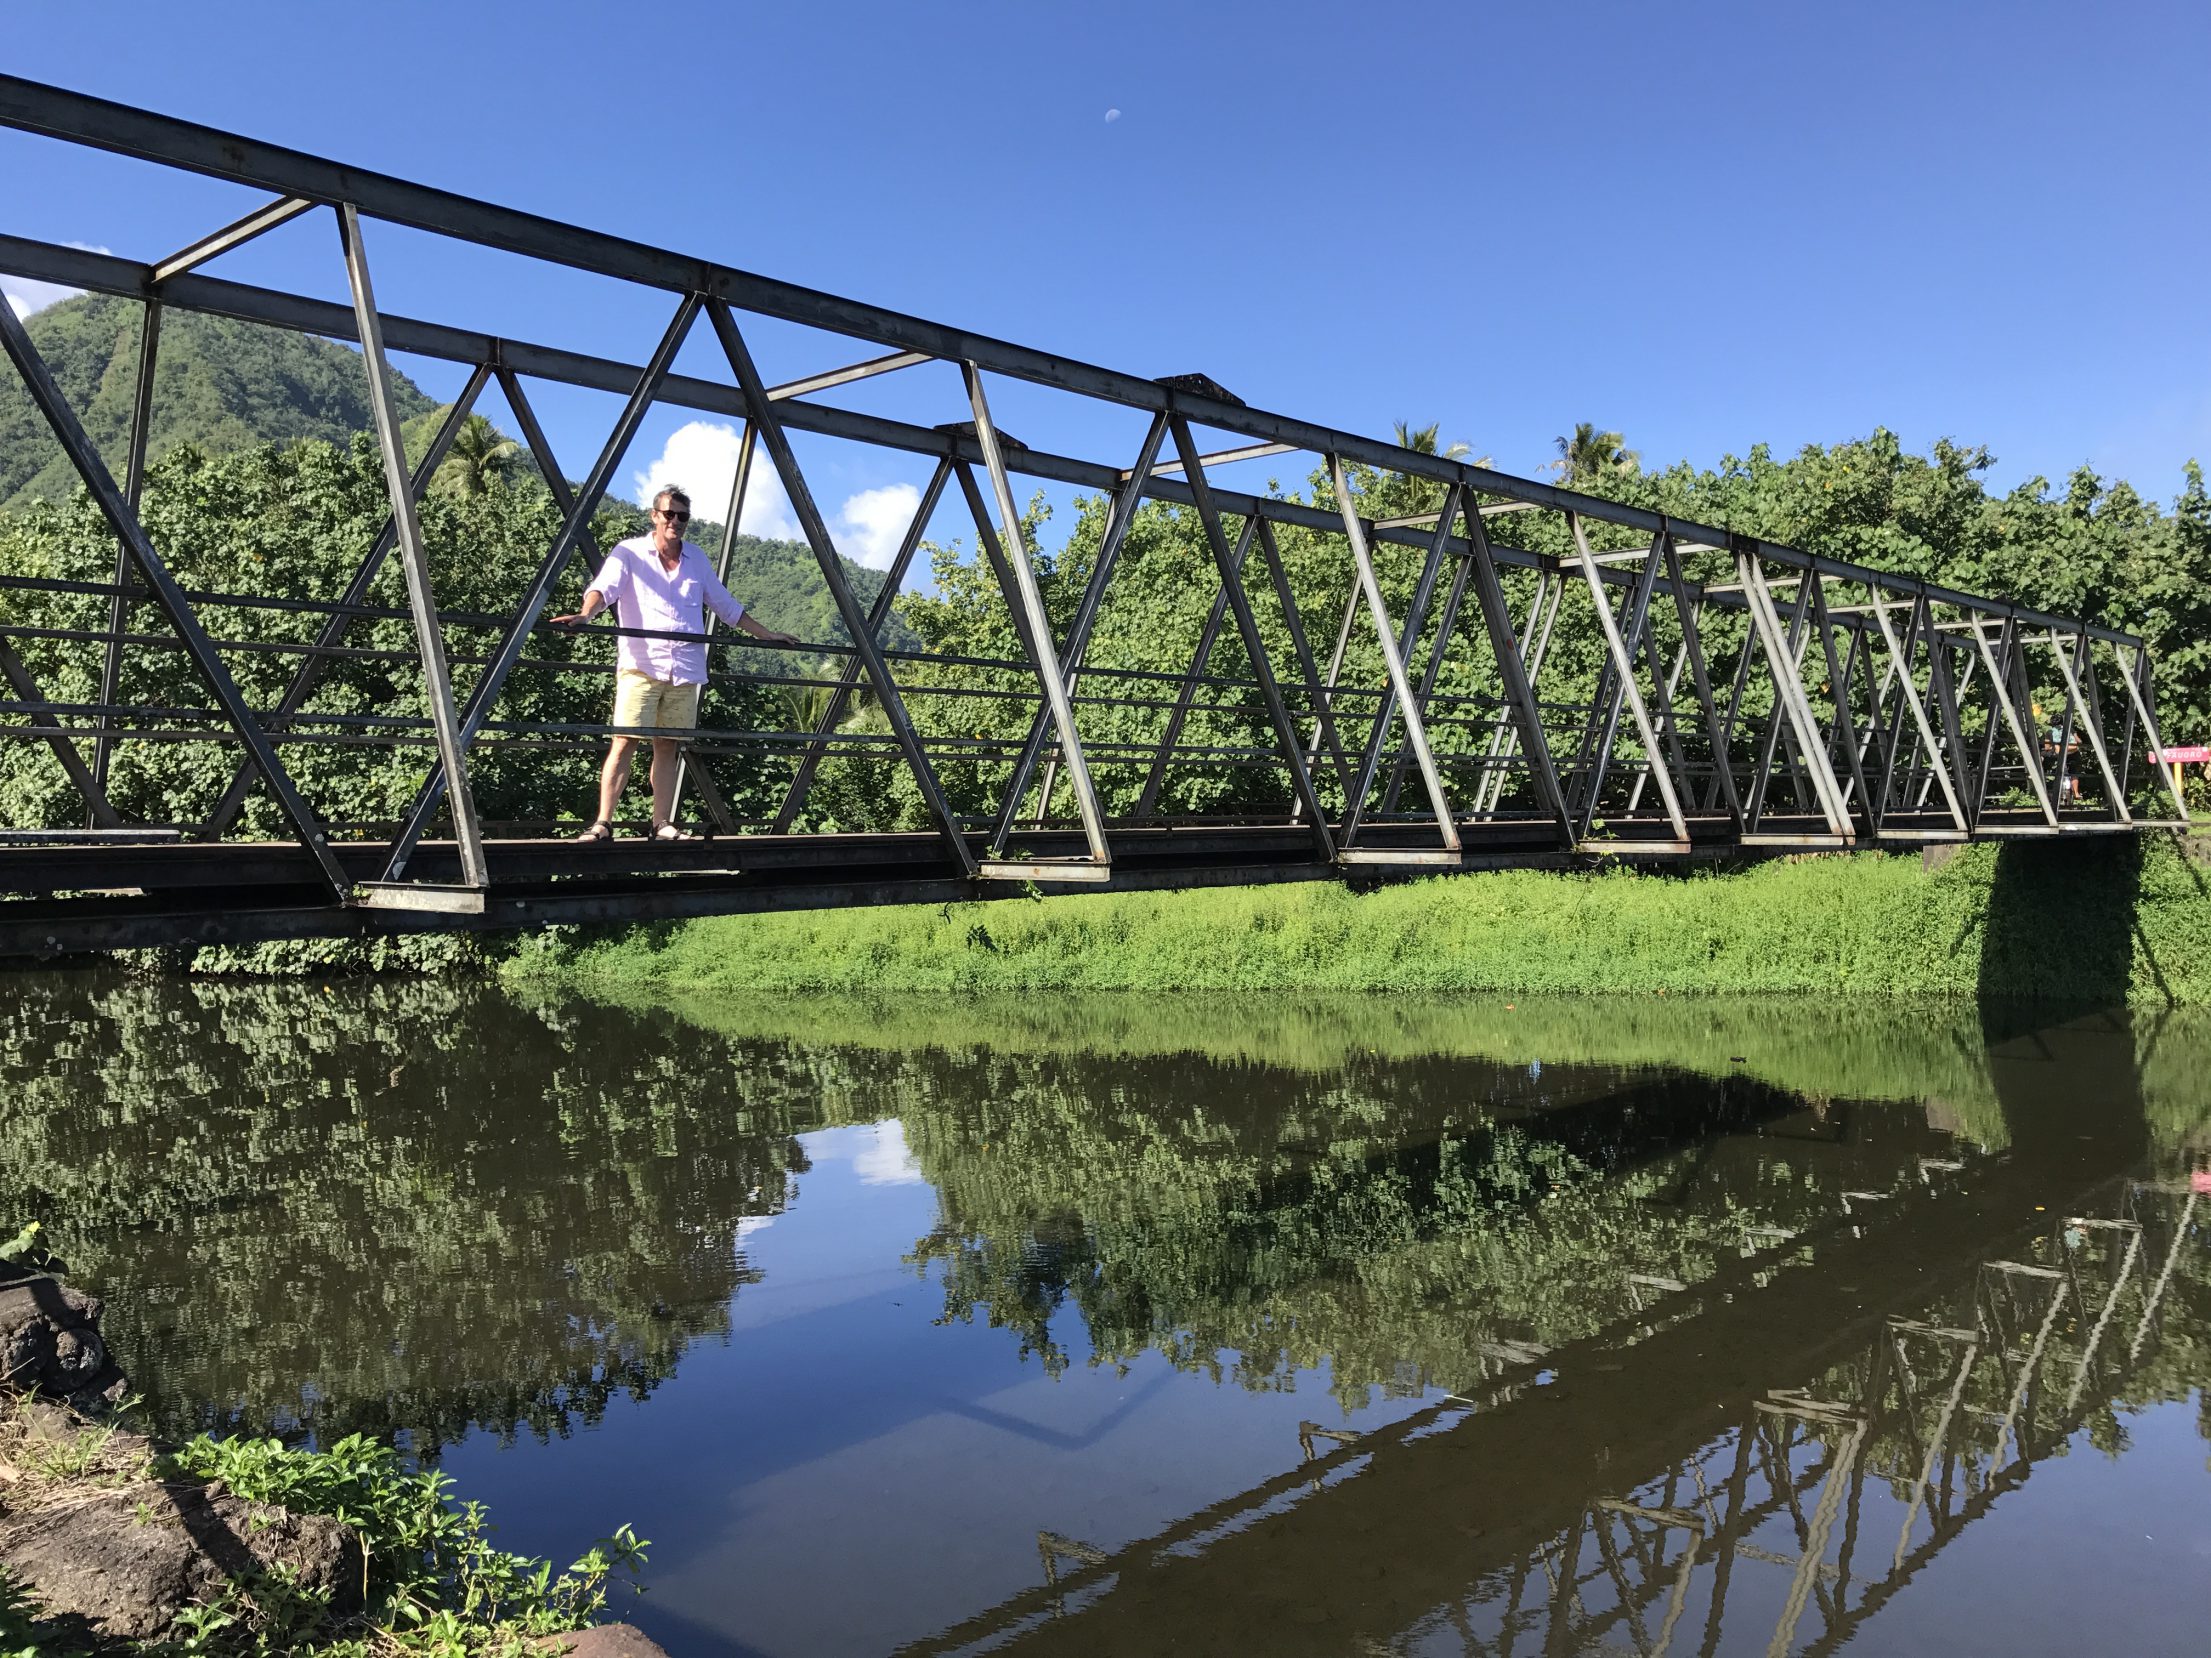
(2198, 755)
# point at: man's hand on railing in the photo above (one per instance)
(757, 629)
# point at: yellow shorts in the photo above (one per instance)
(641, 700)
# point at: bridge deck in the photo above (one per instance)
(101, 893)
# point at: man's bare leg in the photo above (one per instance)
(613, 775)
(664, 780)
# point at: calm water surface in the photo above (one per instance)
(1207, 1326)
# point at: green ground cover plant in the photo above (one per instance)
(2092, 921)
(435, 1586)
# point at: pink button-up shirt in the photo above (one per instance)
(656, 600)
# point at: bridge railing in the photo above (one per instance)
(1422, 660)
(1475, 744)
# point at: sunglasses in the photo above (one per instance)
(672, 517)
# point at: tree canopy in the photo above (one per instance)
(1591, 457)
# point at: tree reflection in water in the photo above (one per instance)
(418, 1205)
(396, 1205)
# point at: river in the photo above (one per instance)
(1117, 1325)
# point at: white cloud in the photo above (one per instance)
(875, 521)
(26, 296)
(700, 457)
(876, 1151)
(884, 1160)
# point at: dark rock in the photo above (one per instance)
(121, 1563)
(609, 1640)
(50, 1342)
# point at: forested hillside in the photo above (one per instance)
(224, 386)
(219, 385)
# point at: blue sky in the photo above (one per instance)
(1703, 225)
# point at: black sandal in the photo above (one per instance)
(597, 833)
(670, 833)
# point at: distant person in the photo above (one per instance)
(658, 583)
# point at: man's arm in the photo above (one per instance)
(594, 601)
(746, 624)
(605, 587)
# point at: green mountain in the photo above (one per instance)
(220, 385)
(782, 582)
(223, 386)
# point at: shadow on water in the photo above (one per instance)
(2062, 949)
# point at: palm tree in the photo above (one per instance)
(476, 461)
(1590, 455)
(1423, 441)
(806, 704)
(1395, 492)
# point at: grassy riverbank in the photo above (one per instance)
(413, 1574)
(2089, 920)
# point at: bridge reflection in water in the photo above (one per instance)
(1760, 1460)
(1840, 1490)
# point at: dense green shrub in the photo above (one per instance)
(436, 1585)
(2097, 921)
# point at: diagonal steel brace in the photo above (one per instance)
(85, 457)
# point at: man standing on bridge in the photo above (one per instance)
(658, 583)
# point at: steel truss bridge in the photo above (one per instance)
(1723, 694)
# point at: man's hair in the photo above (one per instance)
(671, 493)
